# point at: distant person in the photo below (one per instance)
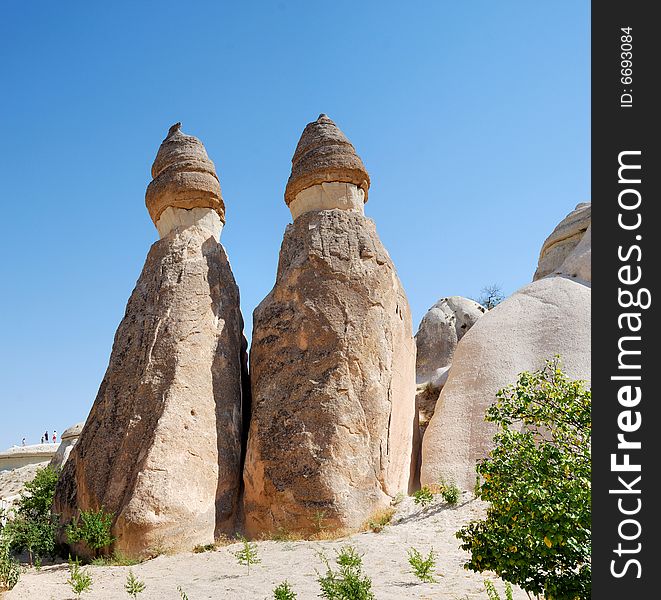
(42, 439)
(23, 442)
(46, 436)
(54, 436)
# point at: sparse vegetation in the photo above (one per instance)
(133, 585)
(348, 582)
(92, 528)
(450, 492)
(284, 592)
(424, 496)
(380, 519)
(492, 592)
(423, 568)
(247, 555)
(318, 521)
(398, 499)
(116, 559)
(537, 531)
(182, 594)
(79, 579)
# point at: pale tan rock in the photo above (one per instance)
(68, 440)
(547, 317)
(324, 154)
(326, 196)
(161, 447)
(333, 380)
(183, 177)
(561, 244)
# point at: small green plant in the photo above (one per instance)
(380, 519)
(492, 592)
(79, 579)
(206, 548)
(92, 528)
(318, 521)
(10, 570)
(348, 582)
(284, 592)
(423, 568)
(133, 585)
(478, 486)
(397, 500)
(182, 594)
(424, 496)
(247, 555)
(450, 493)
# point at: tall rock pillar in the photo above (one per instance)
(332, 358)
(161, 448)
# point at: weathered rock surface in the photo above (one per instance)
(68, 441)
(161, 447)
(562, 243)
(333, 379)
(443, 325)
(325, 155)
(183, 177)
(547, 317)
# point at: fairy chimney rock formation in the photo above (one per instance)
(161, 447)
(185, 189)
(332, 357)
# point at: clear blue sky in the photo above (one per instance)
(471, 117)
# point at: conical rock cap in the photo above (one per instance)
(324, 154)
(183, 177)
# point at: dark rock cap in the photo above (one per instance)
(324, 154)
(183, 176)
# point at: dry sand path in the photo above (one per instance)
(216, 575)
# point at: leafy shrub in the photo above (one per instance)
(423, 568)
(284, 592)
(380, 519)
(424, 496)
(92, 528)
(79, 579)
(133, 585)
(199, 549)
(348, 582)
(450, 493)
(10, 570)
(537, 531)
(493, 594)
(33, 528)
(248, 554)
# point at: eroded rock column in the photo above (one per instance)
(332, 357)
(161, 448)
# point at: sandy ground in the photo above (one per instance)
(217, 574)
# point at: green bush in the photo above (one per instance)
(284, 592)
(450, 493)
(423, 568)
(91, 528)
(79, 579)
(348, 582)
(424, 496)
(537, 531)
(33, 528)
(10, 570)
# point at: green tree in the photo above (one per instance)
(284, 592)
(32, 528)
(247, 555)
(423, 568)
(79, 579)
(537, 480)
